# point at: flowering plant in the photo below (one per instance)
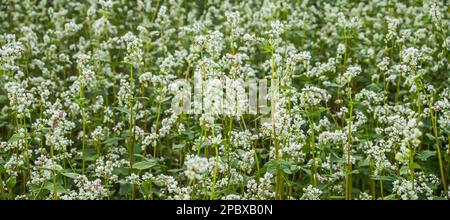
(112, 99)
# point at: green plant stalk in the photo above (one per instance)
(192, 184)
(230, 127)
(55, 196)
(348, 180)
(157, 9)
(438, 148)
(131, 130)
(399, 78)
(202, 136)
(158, 116)
(381, 188)
(10, 193)
(313, 154)
(203, 126)
(131, 122)
(397, 93)
(258, 174)
(419, 85)
(83, 119)
(372, 184)
(411, 167)
(448, 157)
(27, 158)
(215, 171)
(2, 188)
(278, 186)
(441, 168)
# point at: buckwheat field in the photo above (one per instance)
(213, 99)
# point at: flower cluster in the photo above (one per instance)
(281, 99)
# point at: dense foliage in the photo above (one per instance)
(358, 94)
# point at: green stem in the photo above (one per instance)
(313, 153)
(348, 184)
(278, 186)
(83, 119)
(55, 196)
(2, 188)
(215, 171)
(419, 85)
(131, 124)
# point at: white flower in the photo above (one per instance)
(196, 167)
(411, 56)
(352, 72)
(134, 49)
(341, 49)
(311, 193)
(312, 96)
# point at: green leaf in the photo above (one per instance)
(144, 189)
(121, 171)
(285, 88)
(336, 197)
(112, 141)
(174, 170)
(425, 154)
(44, 168)
(14, 138)
(383, 178)
(178, 146)
(71, 175)
(166, 99)
(59, 189)
(404, 170)
(125, 188)
(144, 98)
(82, 101)
(355, 172)
(284, 166)
(363, 163)
(123, 110)
(430, 136)
(11, 182)
(374, 87)
(307, 171)
(331, 84)
(140, 156)
(2, 168)
(389, 197)
(137, 148)
(34, 187)
(271, 166)
(92, 157)
(266, 48)
(143, 165)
